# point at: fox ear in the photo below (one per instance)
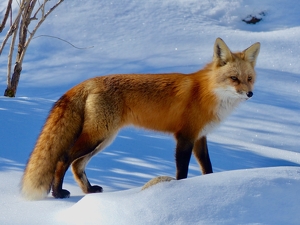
(251, 53)
(222, 53)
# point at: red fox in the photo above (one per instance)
(88, 116)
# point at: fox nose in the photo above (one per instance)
(250, 94)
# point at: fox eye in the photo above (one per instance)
(249, 78)
(234, 78)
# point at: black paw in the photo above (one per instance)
(95, 189)
(61, 194)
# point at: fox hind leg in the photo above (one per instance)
(78, 169)
(84, 145)
(57, 191)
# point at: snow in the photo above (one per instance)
(194, 201)
(255, 153)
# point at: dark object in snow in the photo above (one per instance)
(250, 19)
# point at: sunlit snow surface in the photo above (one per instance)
(255, 153)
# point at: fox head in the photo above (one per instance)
(234, 72)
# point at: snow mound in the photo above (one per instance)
(234, 197)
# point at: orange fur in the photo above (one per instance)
(88, 116)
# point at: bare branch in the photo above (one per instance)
(44, 35)
(23, 29)
(14, 26)
(10, 55)
(38, 25)
(38, 10)
(43, 8)
(8, 9)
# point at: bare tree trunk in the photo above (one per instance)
(26, 10)
(12, 89)
(8, 91)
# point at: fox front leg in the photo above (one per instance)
(200, 151)
(183, 155)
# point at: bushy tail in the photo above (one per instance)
(61, 129)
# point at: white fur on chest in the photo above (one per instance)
(228, 100)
